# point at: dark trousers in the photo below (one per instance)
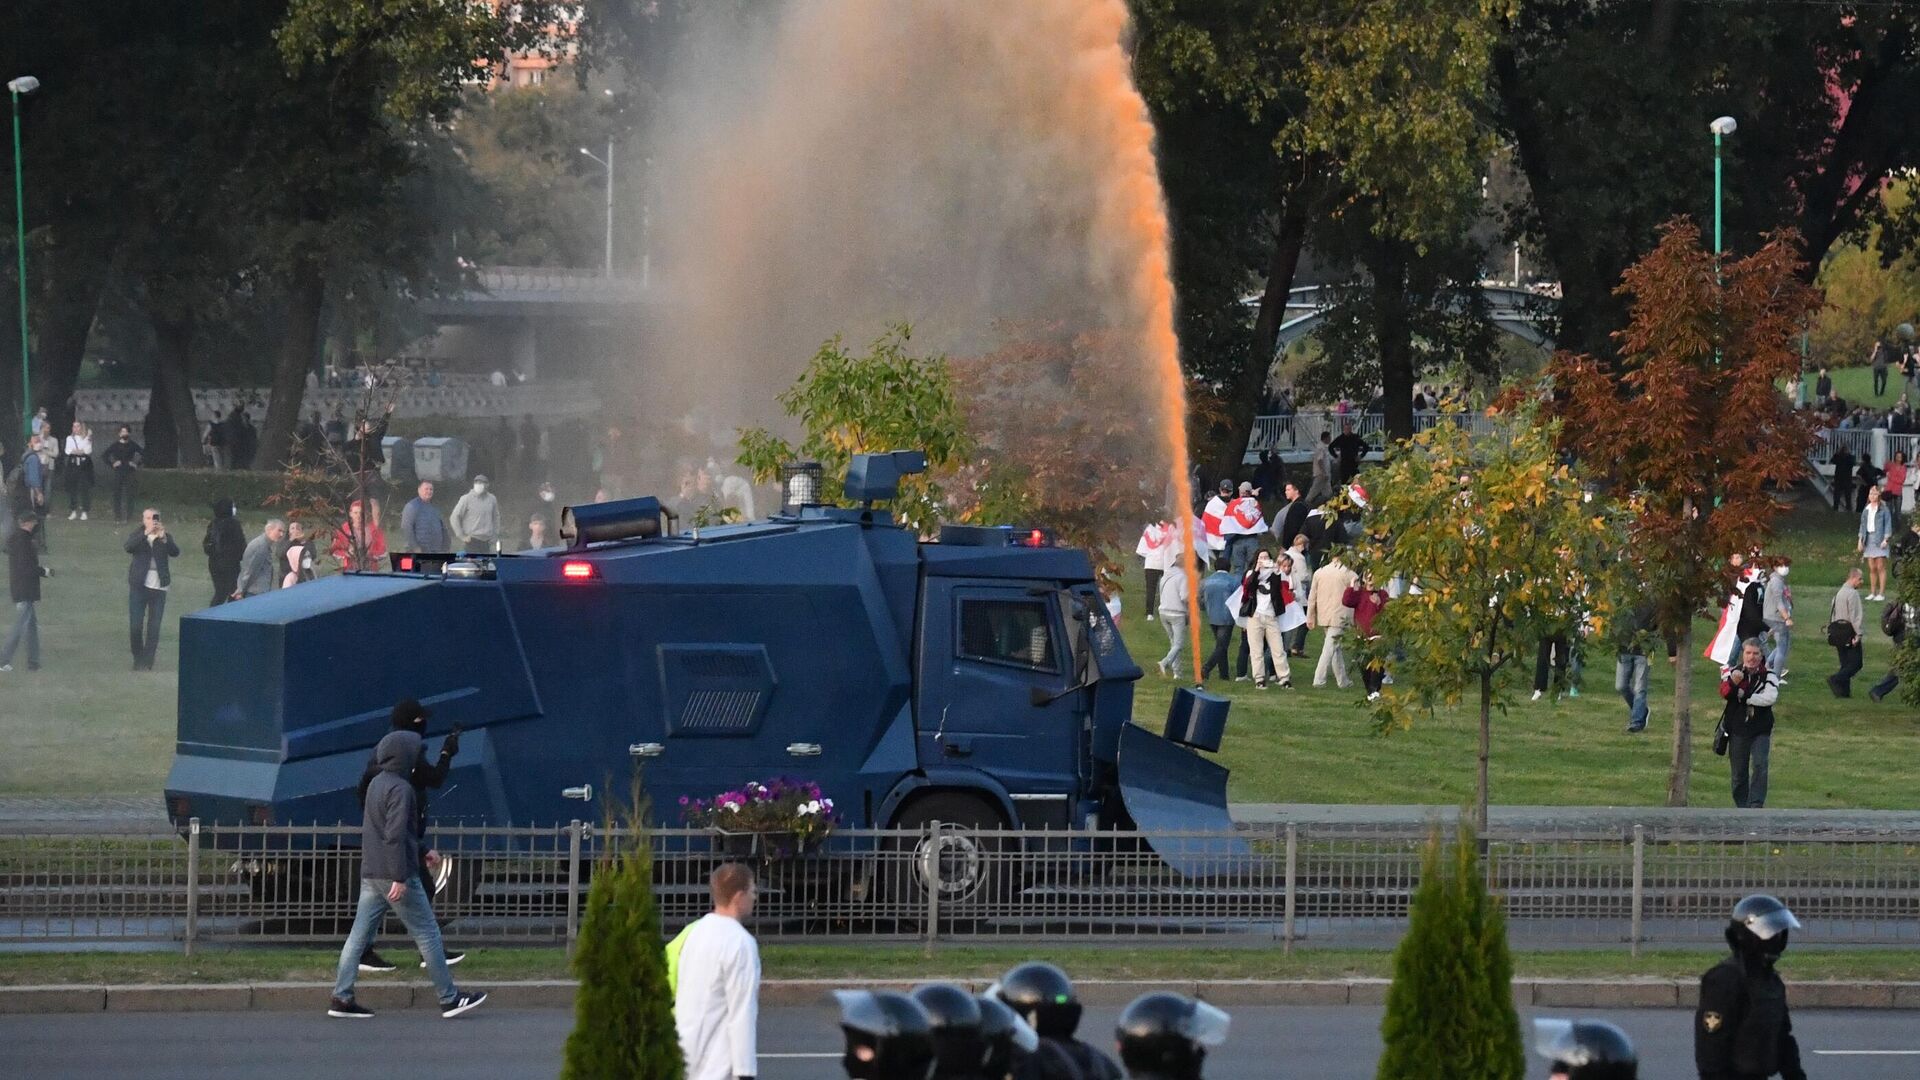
(1296, 640)
(1850, 660)
(123, 494)
(1747, 756)
(1373, 676)
(224, 583)
(1552, 659)
(79, 483)
(1153, 590)
(1879, 381)
(1885, 686)
(145, 608)
(1217, 659)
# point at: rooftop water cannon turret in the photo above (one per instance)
(627, 519)
(873, 478)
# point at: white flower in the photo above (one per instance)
(733, 808)
(803, 811)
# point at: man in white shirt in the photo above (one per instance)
(716, 1006)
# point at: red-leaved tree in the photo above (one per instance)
(1688, 423)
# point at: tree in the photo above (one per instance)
(1503, 549)
(623, 1011)
(1690, 422)
(1871, 286)
(887, 399)
(1450, 1009)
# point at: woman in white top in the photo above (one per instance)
(1876, 525)
(76, 471)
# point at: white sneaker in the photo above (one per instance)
(73, 515)
(6, 667)
(83, 515)
(1375, 696)
(1537, 695)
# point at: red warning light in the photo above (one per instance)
(1036, 538)
(406, 562)
(576, 571)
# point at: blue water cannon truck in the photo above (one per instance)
(975, 679)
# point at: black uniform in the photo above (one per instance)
(1066, 1058)
(1741, 1031)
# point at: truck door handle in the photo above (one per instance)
(646, 749)
(804, 749)
(584, 793)
(957, 749)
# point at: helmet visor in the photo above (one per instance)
(1768, 924)
(1208, 1025)
(1553, 1039)
(860, 1011)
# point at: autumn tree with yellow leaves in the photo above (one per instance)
(1500, 546)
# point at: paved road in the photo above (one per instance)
(1332, 1043)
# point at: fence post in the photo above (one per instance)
(193, 883)
(1639, 886)
(1293, 849)
(933, 886)
(573, 884)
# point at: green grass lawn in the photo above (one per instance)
(1855, 385)
(1131, 960)
(88, 724)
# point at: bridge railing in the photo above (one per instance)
(1313, 883)
(547, 399)
(1300, 432)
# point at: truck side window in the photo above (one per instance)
(1008, 632)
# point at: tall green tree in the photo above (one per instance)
(1501, 547)
(1450, 1009)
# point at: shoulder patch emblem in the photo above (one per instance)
(1710, 1021)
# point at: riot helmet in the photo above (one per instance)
(1760, 926)
(1043, 996)
(1168, 1035)
(957, 1039)
(889, 1036)
(1008, 1037)
(1586, 1050)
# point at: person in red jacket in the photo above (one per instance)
(1366, 602)
(358, 547)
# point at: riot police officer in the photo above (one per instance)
(1043, 996)
(1586, 1050)
(889, 1036)
(958, 1042)
(1009, 1039)
(1741, 1030)
(1165, 1036)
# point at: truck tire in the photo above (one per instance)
(971, 871)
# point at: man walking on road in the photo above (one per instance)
(716, 1005)
(390, 859)
(23, 579)
(1327, 609)
(410, 715)
(148, 579)
(1847, 609)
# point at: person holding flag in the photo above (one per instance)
(1722, 649)
(1159, 551)
(1242, 525)
(1211, 517)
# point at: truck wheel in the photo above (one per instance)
(968, 867)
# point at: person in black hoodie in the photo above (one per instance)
(410, 715)
(225, 542)
(1741, 1030)
(1842, 461)
(23, 579)
(390, 856)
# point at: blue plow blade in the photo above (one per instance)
(1169, 789)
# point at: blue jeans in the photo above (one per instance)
(416, 914)
(25, 625)
(1630, 679)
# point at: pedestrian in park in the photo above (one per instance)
(1214, 591)
(23, 582)
(1264, 599)
(1776, 609)
(1173, 619)
(33, 474)
(1842, 461)
(76, 471)
(1845, 619)
(1349, 448)
(1894, 489)
(476, 519)
(1822, 388)
(1550, 664)
(1749, 691)
(1866, 477)
(299, 556)
(410, 715)
(422, 529)
(1366, 602)
(1742, 1029)
(1876, 528)
(1290, 517)
(1044, 997)
(1880, 360)
(1327, 610)
(390, 860)
(537, 533)
(359, 545)
(149, 576)
(1320, 489)
(225, 545)
(1212, 522)
(1298, 566)
(257, 573)
(716, 1005)
(1158, 549)
(123, 460)
(1893, 623)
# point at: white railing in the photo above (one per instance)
(1300, 432)
(547, 400)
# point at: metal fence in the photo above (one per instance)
(1299, 433)
(1298, 885)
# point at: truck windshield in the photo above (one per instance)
(1008, 632)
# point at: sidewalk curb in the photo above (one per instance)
(558, 994)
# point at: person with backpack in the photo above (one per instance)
(1893, 623)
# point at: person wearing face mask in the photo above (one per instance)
(1776, 610)
(1742, 1030)
(476, 518)
(123, 459)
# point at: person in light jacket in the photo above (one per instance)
(1876, 526)
(1776, 609)
(257, 564)
(1327, 610)
(476, 519)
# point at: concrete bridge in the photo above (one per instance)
(1519, 310)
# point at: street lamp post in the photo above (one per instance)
(1721, 127)
(25, 84)
(607, 164)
